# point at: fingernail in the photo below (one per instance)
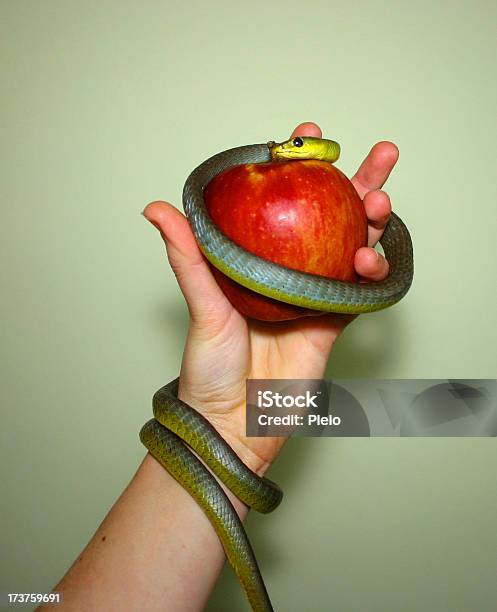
(156, 225)
(143, 213)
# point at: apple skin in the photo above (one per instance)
(304, 215)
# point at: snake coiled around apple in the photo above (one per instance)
(176, 427)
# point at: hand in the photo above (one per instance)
(223, 348)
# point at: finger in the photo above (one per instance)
(370, 264)
(308, 128)
(202, 293)
(376, 168)
(378, 208)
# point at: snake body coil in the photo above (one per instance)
(176, 426)
(285, 284)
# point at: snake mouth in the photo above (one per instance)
(279, 153)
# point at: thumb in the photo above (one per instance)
(206, 302)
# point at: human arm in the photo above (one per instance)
(156, 550)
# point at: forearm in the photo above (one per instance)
(155, 550)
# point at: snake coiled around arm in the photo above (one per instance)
(176, 427)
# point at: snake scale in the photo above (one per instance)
(176, 427)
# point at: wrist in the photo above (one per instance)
(256, 453)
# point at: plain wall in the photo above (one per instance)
(106, 106)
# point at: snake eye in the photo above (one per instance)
(298, 142)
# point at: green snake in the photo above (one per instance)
(177, 429)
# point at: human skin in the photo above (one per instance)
(156, 550)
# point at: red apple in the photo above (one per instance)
(302, 214)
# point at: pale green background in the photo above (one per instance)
(108, 105)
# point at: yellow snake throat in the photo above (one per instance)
(176, 427)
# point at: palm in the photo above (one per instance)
(223, 348)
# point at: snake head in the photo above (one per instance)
(305, 147)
